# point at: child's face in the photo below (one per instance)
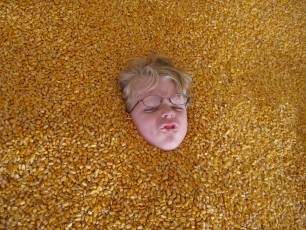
(165, 126)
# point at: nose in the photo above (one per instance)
(167, 111)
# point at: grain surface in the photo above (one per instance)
(70, 157)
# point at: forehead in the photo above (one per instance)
(165, 88)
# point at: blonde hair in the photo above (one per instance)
(151, 69)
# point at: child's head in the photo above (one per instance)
(156, 94)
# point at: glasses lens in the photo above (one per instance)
(152, 101)
(178, 99)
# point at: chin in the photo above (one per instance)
(167, 143)
(168, 146)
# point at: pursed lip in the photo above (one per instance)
(169, 126)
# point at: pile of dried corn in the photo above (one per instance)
(70, 156)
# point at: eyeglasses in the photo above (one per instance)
(155, 101)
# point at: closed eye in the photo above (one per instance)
(149, 109)
(179, 109)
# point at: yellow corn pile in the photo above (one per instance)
(70, 157)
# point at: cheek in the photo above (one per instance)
(183, 119)
(143, 122)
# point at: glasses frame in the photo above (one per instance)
(161, 101)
